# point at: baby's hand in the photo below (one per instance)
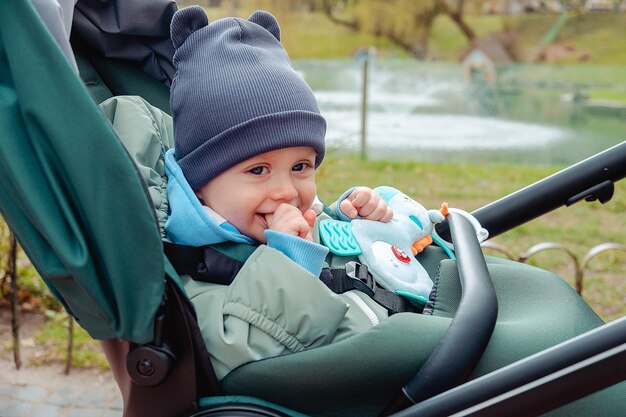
(288, 219)
(366, 203)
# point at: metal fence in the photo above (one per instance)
(579, 265)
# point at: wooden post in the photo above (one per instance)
(15, 320)
(364, 106)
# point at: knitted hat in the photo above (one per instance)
(235, 94)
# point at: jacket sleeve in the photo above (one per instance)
(335, 207)
(273, 307)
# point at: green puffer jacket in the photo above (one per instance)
(274, 306)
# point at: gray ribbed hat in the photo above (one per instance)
(235, 94)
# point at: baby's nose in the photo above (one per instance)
(284, 190)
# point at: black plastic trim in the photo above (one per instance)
(553, 377)
(470, 330)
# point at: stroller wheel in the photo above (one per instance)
(239, 410)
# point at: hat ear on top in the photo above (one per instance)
(185, 22)
(267, 21)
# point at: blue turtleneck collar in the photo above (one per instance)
(189, 222)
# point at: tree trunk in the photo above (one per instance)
(406, 46)
(70, 345)
(327, 8)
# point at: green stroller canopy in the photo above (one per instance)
(69, 190)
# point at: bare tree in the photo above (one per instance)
(456, 14)
(333, 10)
(406, 23)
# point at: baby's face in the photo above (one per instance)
(249, 192)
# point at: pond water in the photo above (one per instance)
(428, 111)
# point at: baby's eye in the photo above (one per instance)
(257, 170)
(300, 166)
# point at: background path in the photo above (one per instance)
(45, 390)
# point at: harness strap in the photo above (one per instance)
(202, 263)
(209, 265)
(356, 276)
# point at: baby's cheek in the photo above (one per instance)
(307, 202)
(308, 191)
(241, 223)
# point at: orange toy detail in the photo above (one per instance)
(419, 245)
(444, 209)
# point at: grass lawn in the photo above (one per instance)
(612, 95)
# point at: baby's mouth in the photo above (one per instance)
(265, 219)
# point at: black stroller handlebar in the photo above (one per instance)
(591, 179)
(470, 330)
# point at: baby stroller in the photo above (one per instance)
(89, 214)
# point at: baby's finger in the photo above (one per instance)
(388, 215)
(379, 211)
(368, 208)
(310, 217)
(288, 219)
(282, 214)
(303, 229)
(360, 196)
(348, 209)
(285, 209)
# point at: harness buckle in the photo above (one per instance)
(363, 280)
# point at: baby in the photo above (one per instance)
(248, 138)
